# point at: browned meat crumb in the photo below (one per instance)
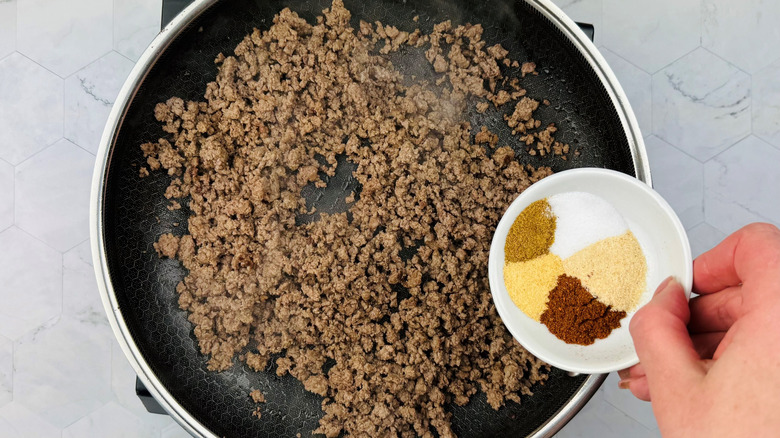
(174, 205)
(522, 119)
(498, 52)
(257, 396)
(407, 335)
(484, 136)
(481, 108)
(501, 98)
(528, 67)
(143, 172)
(167, 245)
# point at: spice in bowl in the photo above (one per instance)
(572, 263)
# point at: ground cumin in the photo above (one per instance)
(575, 316)
(531, 234)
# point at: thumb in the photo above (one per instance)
(663, 344)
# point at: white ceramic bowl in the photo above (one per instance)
(660, 234)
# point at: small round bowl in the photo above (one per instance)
(656, 227)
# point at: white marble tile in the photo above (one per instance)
(745, 33)
(6, 370)
(6, 195)
(678, 178)
(63, 372)
(30, 108)
(7, 27)
(89, 96)
(31, 279)
(766, 104)
(637, 85)
(703, 238)
(174, 431)
(743, 177)
(624, 401)
(701, 104)
(724, 214)
(651, 34)
(80, 296)
(52, 195)
(123, 387)
(136, 23)
(16, 421)
(600, 419)
(111, 420)
(583, 11)
(64, 36)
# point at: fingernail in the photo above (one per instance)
(665, 285)
(626, 383)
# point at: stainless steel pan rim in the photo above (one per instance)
(125, 97)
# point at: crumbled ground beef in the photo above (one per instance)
(257, 396)
(403, 335)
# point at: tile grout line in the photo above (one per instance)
(38, 64)
(603, 47)
(677, 148)
(41, 150)
(731, 64)
(82, 148)
(62, 285)
(674, 61)
(126, 57)
(13, 196)
(113, 26)
(37, 239)
(701, 23)
(636, 420)
(752, 104)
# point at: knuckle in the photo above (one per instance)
(763, 229)
(642, 320)
(763, 239)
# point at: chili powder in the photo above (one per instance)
(577, 317)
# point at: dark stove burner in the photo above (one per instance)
(170, 8)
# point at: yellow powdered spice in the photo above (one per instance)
(529, 282)
(531, 234)
(613, 270)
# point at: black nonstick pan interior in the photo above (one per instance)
(135, 212)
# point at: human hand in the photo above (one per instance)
(711, 367)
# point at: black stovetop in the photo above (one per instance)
(170, 8)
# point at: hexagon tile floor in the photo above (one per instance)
(700, 74)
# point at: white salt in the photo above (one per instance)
(582, 219)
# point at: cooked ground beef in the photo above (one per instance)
(392, 293)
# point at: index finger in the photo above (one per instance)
(750, 250)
